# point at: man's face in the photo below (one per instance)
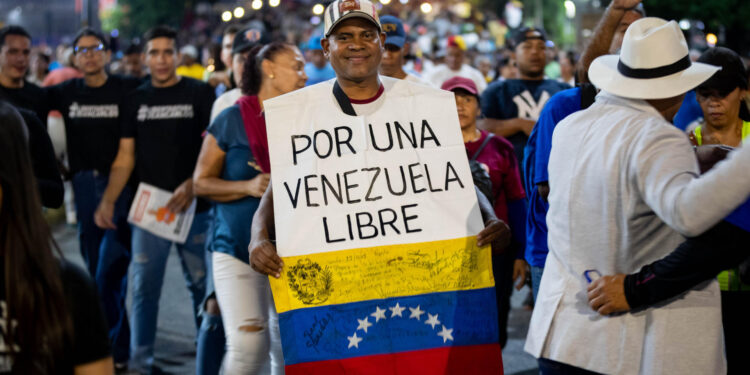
(355, 48)
(467, 106)
(720, 111)
(15, 56)
(454, 58)
(393, 59)
(226, 50)
(161, 59)
(629, 17)
(238, 67)
(132, 65)
(531, 57)
(91, 57)
(318, 58)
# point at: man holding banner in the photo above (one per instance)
(382, 261)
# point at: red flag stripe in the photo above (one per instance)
(458, 360)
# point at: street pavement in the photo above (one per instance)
(175, 337)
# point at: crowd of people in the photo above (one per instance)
(603, 187)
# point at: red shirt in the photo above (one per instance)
(499, 160)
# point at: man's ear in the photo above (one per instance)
(382, 41)
(326, 46)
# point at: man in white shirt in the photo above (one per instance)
(624, 190)
(454, 66)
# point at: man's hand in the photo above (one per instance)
(625, 4)
(258, 185)
(182, 197)
(104, 214)
(607, 295)
(520, 269)
(263, 258)
(495, 232)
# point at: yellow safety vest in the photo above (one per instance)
(729, 280)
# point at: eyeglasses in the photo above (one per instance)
(85, 50)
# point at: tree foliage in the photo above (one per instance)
(134, 17)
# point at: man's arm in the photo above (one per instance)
(506, 128)
(263, 257)
(43, 161)
(119, 174)
(603, 34)
(495, 231)
(694, 261)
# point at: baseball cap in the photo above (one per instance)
(314, 43)
(189, 51)
(340, 10)
(460, 83)
(249, 38)
(394, 30)
(527, 33)
(731, 76)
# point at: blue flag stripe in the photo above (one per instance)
(389, 325)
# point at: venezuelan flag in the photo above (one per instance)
(420, 308)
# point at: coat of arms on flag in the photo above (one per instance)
(376, 222)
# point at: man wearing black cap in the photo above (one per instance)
(396, 48)
(511, 107)
(243, 42)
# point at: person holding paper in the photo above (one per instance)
(233, 170)
(162, 124)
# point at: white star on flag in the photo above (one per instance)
(396, 310)
(416, 313)
(446, 334)
(354, 340)
(378, 314)
(363, 324)
(432, 320)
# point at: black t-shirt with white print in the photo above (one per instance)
(92, 124)
(90, 336)
(168, 124)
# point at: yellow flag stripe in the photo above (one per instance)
(382, 272)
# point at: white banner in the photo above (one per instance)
(341, 182)
(149, 212)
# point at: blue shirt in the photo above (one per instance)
(231, 231)
(317, 75)
(535, 161)
(689, 111)
(741, 216)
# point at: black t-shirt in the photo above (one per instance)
(30, 97)
(90, 337)
(92, 124)
(168, 124)
(43, 161)
(518, 98)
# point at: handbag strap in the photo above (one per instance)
(481, 147)
(343, 100)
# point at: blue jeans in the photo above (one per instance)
(106, 253)
(211, 341)
(536, 280)
(150, 254)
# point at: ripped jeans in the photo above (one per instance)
(149, 263)
(251, 324)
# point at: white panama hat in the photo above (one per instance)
(653, 63)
